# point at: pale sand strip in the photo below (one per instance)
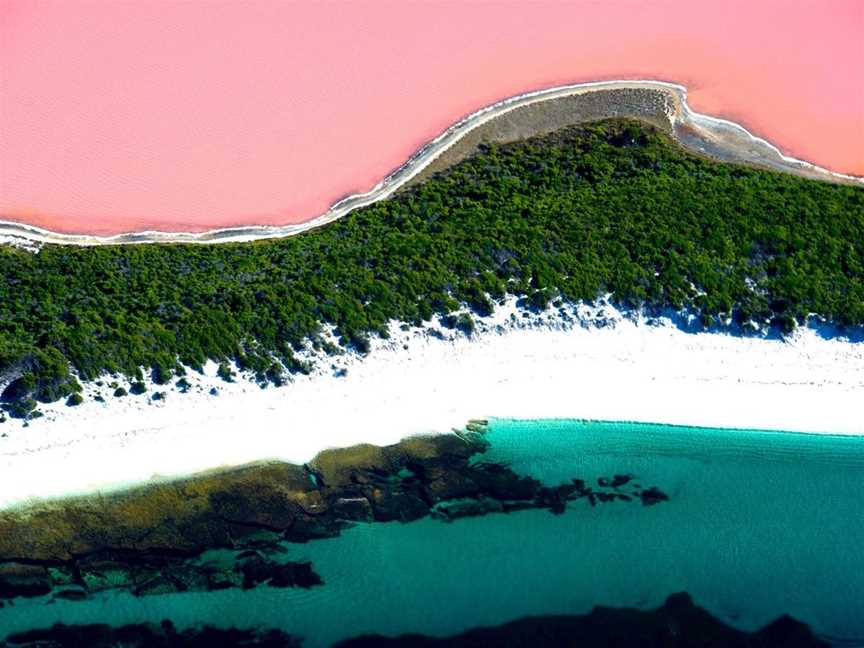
(516, 368)
(702, 133)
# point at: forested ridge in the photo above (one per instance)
(608, 208)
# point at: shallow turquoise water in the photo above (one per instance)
(758, 524)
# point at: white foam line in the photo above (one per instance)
(414, 165)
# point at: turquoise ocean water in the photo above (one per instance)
(758, 524)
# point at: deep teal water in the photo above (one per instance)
(758, 524)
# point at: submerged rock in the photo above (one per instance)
(17, 579)
(677, 623)
(147, 574)
(620, 480)
(71, 595)
(653, 495)
(148, 635)
(467, 508)
(256, 570)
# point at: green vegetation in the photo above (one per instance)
(612, 208)
(462, 322)
(225, 372)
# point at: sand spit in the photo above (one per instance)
(579, 361)
(660, 103)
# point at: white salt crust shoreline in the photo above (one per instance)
(548, 366)
(714, 130)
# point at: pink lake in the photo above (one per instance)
(118, 115)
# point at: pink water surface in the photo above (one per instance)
(118, 115)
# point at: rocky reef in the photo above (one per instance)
(678, 623)
(146, 635)
(159, 539)
(148, 573)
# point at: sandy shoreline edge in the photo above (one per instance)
(585, 362)
(701, 133)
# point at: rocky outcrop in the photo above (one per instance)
(151, 540)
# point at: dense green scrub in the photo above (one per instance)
(612, 208)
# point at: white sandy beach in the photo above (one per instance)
(517, 367)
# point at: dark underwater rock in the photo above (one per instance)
(678, 623)
(147, 574)
(257, 570)
(502, 483)
(71, 595)
(147, 635)
(17, 579)
(620, 480)
(467, 508)
(652, 496)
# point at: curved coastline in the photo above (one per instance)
(671, 377)
(700, 133)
